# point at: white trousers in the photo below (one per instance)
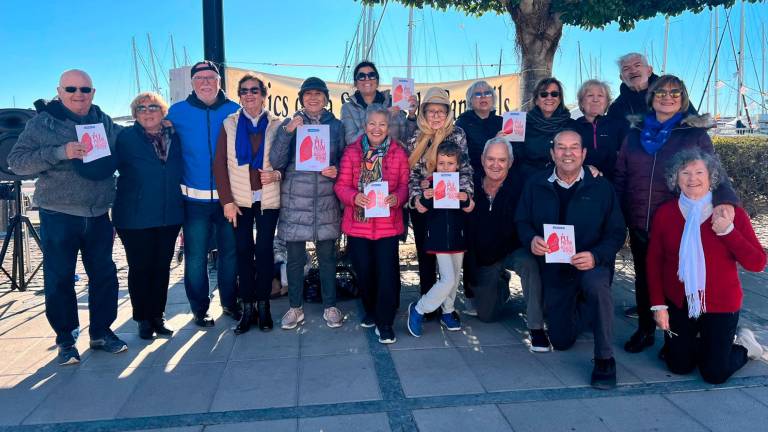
(443, 292)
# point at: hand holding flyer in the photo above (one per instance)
(514, 126)
(561, 242)
(313, 147)
(94, 138)
(402, 89)
(446, 185)
(376, 192)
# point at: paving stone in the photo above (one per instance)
(434, 336)
(722, 410)
(210, 345)
(175, 429)
(256, 384)
(642, 413)
(260, 426)
(333, 379)
(492, 365)
(318, 339)
(478, 418)
(574, 366)
(552, 416)
(275, 344)
(759, 393)
(346, 423)
(431, 372)
(475, 333)
(21, 394)
(141, 353)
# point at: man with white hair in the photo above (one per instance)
(74, 199)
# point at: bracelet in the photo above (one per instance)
(659, 307)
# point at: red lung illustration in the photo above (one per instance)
(509, 126)
(440, 190)
(305, 149)
(398, 93)
(371, 199)
(553, 242)
(88, 143)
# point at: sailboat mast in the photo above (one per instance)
(173, 52)
(409, 71)
(136, 65)
(764, 96)
(666, 38)
(477, 62)
(741, 63)
(155, 83)
(715, 89)
(709, 60)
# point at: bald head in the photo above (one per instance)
(76, 91)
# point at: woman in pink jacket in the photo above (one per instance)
(374, 157)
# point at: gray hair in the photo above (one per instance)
(376, 109)
(627, 57)
(499, 140)
(473, 87)
(684, 157)
(593, 83)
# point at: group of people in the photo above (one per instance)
(217, 169)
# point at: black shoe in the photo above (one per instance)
(145, 330)
(368, 321)
(639, 341)
(631, 312)
(234, 312)
(203, 320)
(604, 374)
(265, 316)
(539, 341)
(247, 317)
(386, 335)
(158, 324)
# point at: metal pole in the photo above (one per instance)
(741, 63)
(173, 52)
(715, 90)
(666, 37)
(213, 35)
(136, 65)
(155, 83)
(709, 60)
(409, 71)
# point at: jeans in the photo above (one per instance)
(522, 262)
(149, 252)
(199, 219)
(62, 237)
(443, 292)
(255, 260)
(379, 287)
(297, 257)
(427, 262)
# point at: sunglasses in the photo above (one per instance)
(554, 94)
(148, 108)
(480, 94)
(673, 93)
(362, 76)
(251, 90)
(72, 89)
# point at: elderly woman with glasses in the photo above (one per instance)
(641, 186)
(353, 112)
(249, 190)
(479, 122)
(693, 278)
(600, 135)
(148, 209)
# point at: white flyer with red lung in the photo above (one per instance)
(95, 139)
(313, 147)
(513, 125)
(402, 90)
(376, 192)
(446, 187)
(561, 242)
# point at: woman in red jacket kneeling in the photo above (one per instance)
(693, 280)
(374, 157)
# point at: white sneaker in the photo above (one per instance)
(746, 338)
(333, 317)
(292, 318)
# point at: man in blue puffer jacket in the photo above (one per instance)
(198, 120)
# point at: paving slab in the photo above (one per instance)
(209, 345)
(470, 418)
(552, 416)
(574, 366)
(475, 333)
(436, 371)
(275, 344)
(723, 410)
(642, 413)
(346, 423)
(253, 384)
(261, 426)
(21, 394)
(493, 367)
(334, 379)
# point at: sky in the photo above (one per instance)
(42, 39)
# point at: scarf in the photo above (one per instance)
(243, 145)
(692, 269)
(552, 125)
(377, 99)
(161, 142)
(370, 169)
(655, 134)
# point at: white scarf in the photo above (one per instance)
(692, 269)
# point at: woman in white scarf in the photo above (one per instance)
(692, 274)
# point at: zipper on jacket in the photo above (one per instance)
(210, 151)
(594, 134)
(650, 192)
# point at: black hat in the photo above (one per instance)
(313, 83)
(203, 65)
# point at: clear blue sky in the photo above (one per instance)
(41, 39)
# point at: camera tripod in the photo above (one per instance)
(15, 233)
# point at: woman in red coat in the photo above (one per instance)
(374, 157)
(693, 280)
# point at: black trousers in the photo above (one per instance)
(149, 253)
(373, 261)
(255, 260)
(427, 262)
(713, 351)
(638, 244)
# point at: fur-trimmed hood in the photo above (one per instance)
(692, 120)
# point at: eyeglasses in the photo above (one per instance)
(151, 108)
(673, 93)
(554, 94)
(479, 94)
(251, 90)
(205, 78)
(437, 113)
(362, 76)
(72, 89)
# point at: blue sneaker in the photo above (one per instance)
(450, 321)
(415, 320)
(68, 355)
(109, 343)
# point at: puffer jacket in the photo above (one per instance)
(309, 210)
(353, 117)
(395, 171)
(446, 228)
(602, 139)
(640, 178)
(478, 131)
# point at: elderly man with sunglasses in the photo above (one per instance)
(74, 199)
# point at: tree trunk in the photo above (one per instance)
(538, 32)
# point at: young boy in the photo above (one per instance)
(445, 239)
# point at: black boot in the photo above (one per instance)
(639, 341)
(265, 316)
(247, 318)
(158, 324)
(145, 330)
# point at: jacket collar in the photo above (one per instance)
(221, 99)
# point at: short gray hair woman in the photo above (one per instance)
(479, 86)
(589, 84)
